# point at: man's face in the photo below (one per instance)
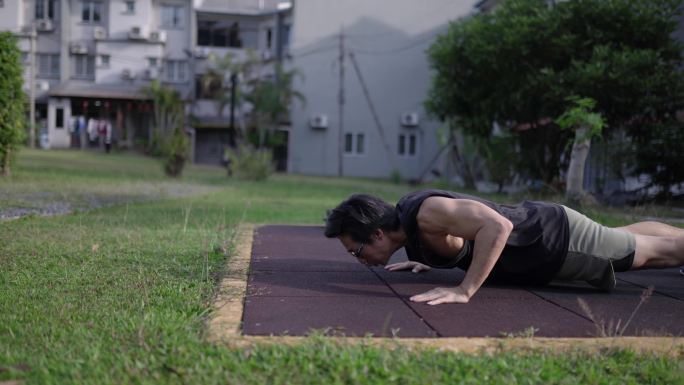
(373, 253)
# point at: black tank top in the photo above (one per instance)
(534, 251)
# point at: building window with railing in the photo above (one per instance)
(175, 71)
(91, 11)
(84, 66)
(46, 9)
(219, 34)
(354, 144)
(48, 65)
(172, 16)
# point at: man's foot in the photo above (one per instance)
(681, 270)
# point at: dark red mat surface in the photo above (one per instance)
(300, 281)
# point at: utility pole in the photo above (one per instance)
(32, 88)
(340, 105)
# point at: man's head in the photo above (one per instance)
(362, 223)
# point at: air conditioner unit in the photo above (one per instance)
(42, 85)
(201, 52)
(158, 36)
(127, 74)
(409, 119)
(152, 73)
(319, 121)
(99, 33)
(266, 55)
(78, 48)
(136, 33)
(44, 25)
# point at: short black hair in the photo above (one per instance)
(359, 216)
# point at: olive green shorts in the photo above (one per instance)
(595, 252)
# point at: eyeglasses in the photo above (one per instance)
(357, 253)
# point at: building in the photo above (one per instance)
(366, 74)
(366, 78)
(93, 58)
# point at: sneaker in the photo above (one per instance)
(681, 271)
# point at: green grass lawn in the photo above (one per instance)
(121, 294)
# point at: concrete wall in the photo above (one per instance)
(389, 39)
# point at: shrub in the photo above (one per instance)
(249, 163)
(12, 100)
(175, 151)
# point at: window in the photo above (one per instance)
(175, 70)
(45, 9)
(285, 36)
(172, 16)
(129, 7)
(269, 38)
(84, 66)
(59, 117)
(354, 147)
(104, 61)
(219, 34)
(407, 144)
(91, 11)
(48, 65)
(152, 62)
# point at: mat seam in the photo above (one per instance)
(423, 320)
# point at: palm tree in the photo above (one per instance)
(271, 101)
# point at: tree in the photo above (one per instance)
(223, 74)
(168, 114)
(586, 125)
(12, 100)
(517, 66)
(271, 101)
(168, 137)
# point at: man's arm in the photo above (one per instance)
(467, 219)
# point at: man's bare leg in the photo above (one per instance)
(653, 228)
(658, 252)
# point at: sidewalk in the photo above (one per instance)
(300, 281)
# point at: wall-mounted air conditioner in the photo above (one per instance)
(78, 48)
(99, 33)
(42, 85)
(158, 36)
(201, 52)
(136, 33)
(44, 25)
(319, 121)
(409, 119)
(127, 74)
(266, 55)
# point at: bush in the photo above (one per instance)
(249, 163)
(175, 152)
(12, 100)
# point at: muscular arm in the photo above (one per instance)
(470, 220)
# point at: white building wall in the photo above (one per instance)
(12, 16)
(389, 39)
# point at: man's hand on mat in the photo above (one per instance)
(415, 267)
(442, 295)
